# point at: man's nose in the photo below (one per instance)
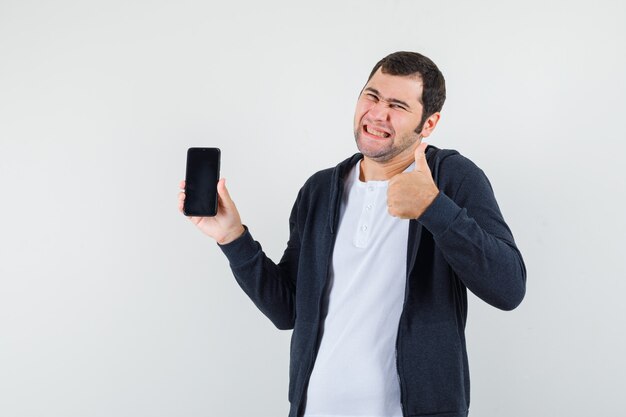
(379, 111)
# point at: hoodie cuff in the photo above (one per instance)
(440, 214)
(241, 249)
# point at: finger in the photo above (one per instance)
(182, 185)
(420, 157)
(223, 193)
(181, 196)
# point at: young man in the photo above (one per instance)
(381, 251)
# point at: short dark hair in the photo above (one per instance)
(414, 64)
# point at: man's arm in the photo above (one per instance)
(467, 227)
(470, 231)
(270, 286)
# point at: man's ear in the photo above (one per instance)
(430, 124)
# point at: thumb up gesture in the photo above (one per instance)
(410, 193)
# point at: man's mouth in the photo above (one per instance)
(382, 134)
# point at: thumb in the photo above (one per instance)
(420, 158)
(223, 193)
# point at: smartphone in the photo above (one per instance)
(202, 175)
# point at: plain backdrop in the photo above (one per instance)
(113, 304)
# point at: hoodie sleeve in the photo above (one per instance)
(469, 229)
(271, 286)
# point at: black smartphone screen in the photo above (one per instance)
(203, 172)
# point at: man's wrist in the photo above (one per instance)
(232, 235)
(428, 201)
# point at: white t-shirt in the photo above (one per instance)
(355, 371)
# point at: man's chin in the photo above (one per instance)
(378, 155)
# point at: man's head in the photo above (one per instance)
(412, 64)
(399, 105)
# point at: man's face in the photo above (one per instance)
(387, 115)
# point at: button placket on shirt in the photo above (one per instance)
(366, 220)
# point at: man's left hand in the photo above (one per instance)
(410, 193)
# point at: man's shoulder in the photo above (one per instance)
(451, 165)
(453, 172)
(321, 176)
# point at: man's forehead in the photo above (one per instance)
(404, 87)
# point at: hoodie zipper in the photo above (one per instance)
(333, 223)
(415, 234)
(318, 337)
(412, 247)
(399, 373)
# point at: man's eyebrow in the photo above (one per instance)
(389, 100)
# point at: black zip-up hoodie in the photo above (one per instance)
(460, 242)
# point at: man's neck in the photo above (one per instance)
(384, 171)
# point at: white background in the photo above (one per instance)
(113, 304)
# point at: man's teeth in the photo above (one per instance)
(375, 132)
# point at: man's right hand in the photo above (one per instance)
(224, 227)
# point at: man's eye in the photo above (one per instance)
(397, 106)
(371, 96)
